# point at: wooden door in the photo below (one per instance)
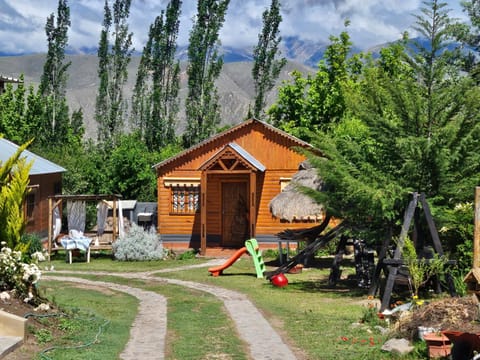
(235, 219)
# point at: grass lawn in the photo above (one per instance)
(318, 321)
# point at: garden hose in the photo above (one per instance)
(80, 346)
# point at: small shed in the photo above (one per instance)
(45, 181)
(217, 193)
(7, 80)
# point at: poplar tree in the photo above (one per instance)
(266, 68)
(53, 125)
(114, 55)
(155, 101)
(204, 67)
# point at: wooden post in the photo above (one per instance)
(203, 212)
(114, 214)
(253, 206)
(476, 233)
(50, 225)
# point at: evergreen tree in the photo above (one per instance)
(155, 100)
(114, 55)
(14, 179)
(205, 64)
(472, 7)
(266, 68)
(409, 125)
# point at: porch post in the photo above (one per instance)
(50, 225)
(203, 213)
(253, 199)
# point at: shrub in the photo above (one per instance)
(29, 244)
(139, 245)
(420, 270)
(187, 255)
(17, 275)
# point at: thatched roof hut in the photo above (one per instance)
(291, 204)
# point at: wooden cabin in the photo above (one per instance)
(45, 181)
(217, 193)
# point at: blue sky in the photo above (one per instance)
(373, 22)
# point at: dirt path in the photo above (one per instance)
(148, 333)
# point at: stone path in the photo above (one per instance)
(148, 333)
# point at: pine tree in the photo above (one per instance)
(472, 38)
(266, 68)
(110, 108)
(205, 64)
(155, 101)
(409, 126)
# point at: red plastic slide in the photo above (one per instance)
(218, 270)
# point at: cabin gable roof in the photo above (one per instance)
(227, 137)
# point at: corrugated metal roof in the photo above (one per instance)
(251, 161)
(247, 156)
(40, 165)
(8, 79)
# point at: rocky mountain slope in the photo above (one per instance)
(235, 84)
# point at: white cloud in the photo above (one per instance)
(372, 21)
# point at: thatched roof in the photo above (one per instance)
(291, 204)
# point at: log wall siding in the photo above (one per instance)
(270, 148)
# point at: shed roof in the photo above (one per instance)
(8, 79)
(227, 132)
(40, 165)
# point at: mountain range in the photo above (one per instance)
(235, 84)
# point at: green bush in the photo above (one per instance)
(29, 244)
(187, 255)
(139, 245)
(17, 275)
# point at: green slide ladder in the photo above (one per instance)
(256, 253)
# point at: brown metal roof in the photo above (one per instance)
(228, 132)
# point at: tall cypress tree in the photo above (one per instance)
(266, 68)
(155, 100)
(113, 58)
(205, 65)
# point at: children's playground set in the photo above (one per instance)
(367, 272)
